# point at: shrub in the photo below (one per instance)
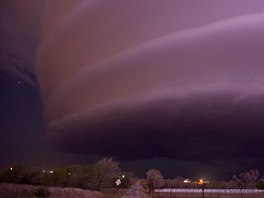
(41, 192)
(260, 185)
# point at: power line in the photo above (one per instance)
(252, 76)
(252, 90)
(259, 70)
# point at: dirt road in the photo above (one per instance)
(134, 191)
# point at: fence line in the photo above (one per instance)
(195, 190)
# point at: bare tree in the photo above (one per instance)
(247, 179)
(154, 179)
(254, 176)
(104, 172)
(239, 181)
(260, 183)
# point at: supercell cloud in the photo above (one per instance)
(141, 79)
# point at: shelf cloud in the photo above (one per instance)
(161, 79)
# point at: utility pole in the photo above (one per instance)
(203, 186)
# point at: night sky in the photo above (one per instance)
(173, 85)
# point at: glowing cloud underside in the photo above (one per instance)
(136, 79)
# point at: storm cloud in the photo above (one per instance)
(135, 79)
(20, 24)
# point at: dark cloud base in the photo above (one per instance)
(198, 128)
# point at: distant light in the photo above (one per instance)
(11, 168)
(69, 173)
(187, 181)
(43, 171)
(202, 181)
(51, 171)
(18, 82)
(123, 176)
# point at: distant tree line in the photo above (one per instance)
(102, 174)
(249, 179)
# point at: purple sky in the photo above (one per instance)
(137, 80)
